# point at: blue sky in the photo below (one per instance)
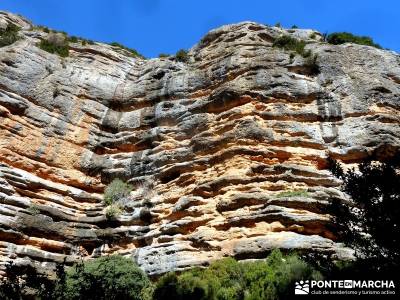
(155, 26)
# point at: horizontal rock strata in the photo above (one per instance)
(227, 152)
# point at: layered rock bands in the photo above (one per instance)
(226, 152)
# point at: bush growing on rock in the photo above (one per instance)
(9, 35)
(311, 64)
(112, 211)
(132, 52)
(338, 38)
(115, 191)
(182, 55)
(292, 44)
(33, 209)
(56, 43)
(73, 39)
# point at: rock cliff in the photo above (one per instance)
(227, 151)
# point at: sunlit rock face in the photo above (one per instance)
(227, 152)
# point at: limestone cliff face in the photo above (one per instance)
(214, 146)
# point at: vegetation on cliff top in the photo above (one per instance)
(292, 44)
(182, 55)
(56, 43)
(9, 35)
(131, 51)
(338, 38)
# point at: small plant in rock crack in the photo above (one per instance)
(115, 191)
(294, 193)
(182, 56)
(311, 63)
(113, 211)
(33, 209)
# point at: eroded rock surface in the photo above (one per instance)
(213, 146)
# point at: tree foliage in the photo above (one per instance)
(108, 277)
(23, 281)
(228, 279)
(371, 224)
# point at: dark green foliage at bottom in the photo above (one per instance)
(108, 277)
(228, 279)
(24, 282)
(371, 225)
(116, 277)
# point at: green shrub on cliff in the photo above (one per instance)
(133, 52)
(9, 35)
(112, 211)
(33, 209)
(115, 191)
(56, 43)
(338, 38)
(292, 44)
(182, 55)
